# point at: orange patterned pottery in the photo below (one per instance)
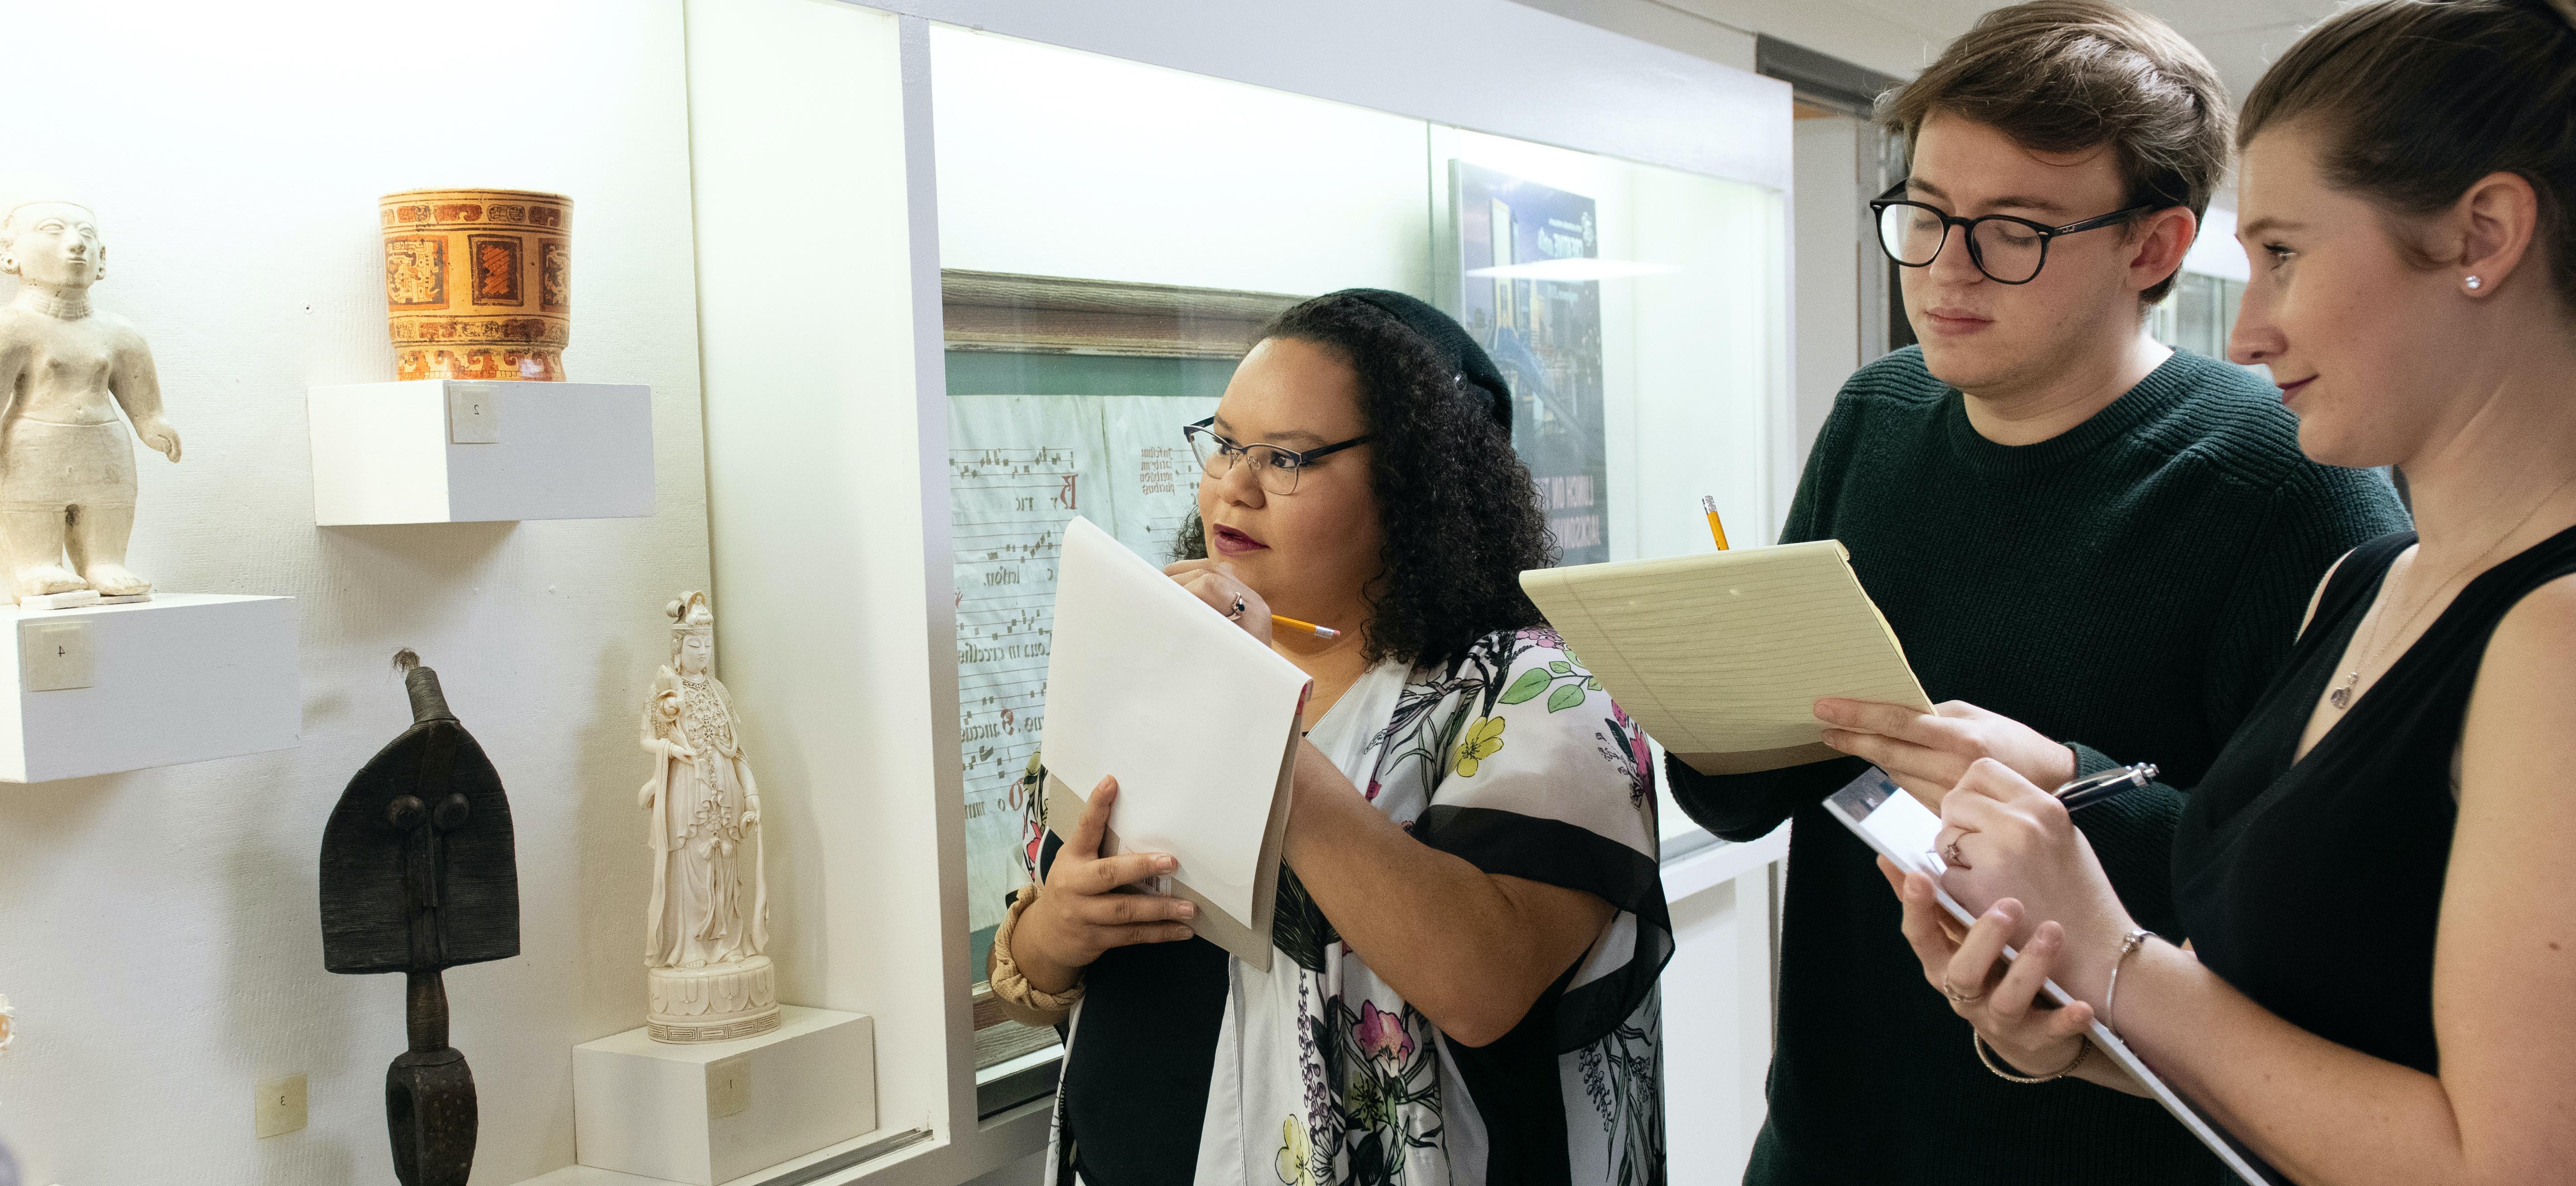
(478, 283)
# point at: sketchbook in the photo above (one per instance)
(1196, 719)
(1903, 830)
(1722, 658)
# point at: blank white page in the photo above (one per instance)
(1723, 657)
(1191, 713)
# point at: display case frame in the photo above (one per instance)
(873, 762)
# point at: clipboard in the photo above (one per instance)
(1723, 657)
(1196, 719)
(1901, 829)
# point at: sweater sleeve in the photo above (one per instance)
(2316, 514)
(1744, 807)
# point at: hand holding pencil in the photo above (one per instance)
(1215, 583)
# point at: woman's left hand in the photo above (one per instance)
(1215, 583)
(2001, 999)
(2014, 841)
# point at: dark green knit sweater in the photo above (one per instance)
(2128, 587)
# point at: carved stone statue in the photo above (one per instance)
(420, 874)
(66, 470)
(707, 980)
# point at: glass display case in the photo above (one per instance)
(1112, 235)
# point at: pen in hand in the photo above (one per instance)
(2082, 792)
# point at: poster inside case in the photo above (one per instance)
(1545, 334)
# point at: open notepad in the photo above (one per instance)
(1903, 830)
(1722, 658)
(1195, 718)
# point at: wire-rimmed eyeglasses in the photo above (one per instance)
(2008, 250)
(1276, 468)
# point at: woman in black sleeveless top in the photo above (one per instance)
(2379, 982)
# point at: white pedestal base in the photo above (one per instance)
(715, 1111)
(183, 677)
(716, 1003)
(450, 451)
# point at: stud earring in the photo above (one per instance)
(2473, 283)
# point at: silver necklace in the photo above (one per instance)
(2341, 697)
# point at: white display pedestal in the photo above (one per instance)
(451, 451)
(709, 1113)
(183, 677)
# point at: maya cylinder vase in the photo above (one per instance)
(478, 283)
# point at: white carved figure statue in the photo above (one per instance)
(707, 980)
(66, 469)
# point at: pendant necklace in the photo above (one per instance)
(2341, 696)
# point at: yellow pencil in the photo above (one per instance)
(1308, 627)
(1716, 530)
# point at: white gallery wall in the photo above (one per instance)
(1832, 246)
(159, 934)
(815, 447)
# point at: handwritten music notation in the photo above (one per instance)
(1020, 467)
(1008, 508)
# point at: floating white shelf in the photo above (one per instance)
(450, 451)
(713, 1112)
(180, 678)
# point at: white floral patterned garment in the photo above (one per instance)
(1514, 759)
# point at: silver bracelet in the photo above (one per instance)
(2128, 943)
(2082, 1048)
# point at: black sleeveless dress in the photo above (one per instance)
(2314, 887)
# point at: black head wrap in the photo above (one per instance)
(1478, 377)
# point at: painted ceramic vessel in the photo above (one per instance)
(478, 283)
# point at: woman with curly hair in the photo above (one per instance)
(1469, 924)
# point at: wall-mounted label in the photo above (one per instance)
(473, 413)
(728, 1086)
(53, 656)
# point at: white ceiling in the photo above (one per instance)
(2241, 37)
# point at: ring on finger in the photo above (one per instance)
(1952, 991)
(1236, 614)
(1950, 853)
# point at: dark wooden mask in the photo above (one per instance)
(419, 866)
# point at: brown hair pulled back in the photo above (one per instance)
(2071, 75)
(2418, 99)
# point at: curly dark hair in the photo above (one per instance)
(1460, 516)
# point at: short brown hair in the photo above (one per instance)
(2069, 75)
(2417, 100)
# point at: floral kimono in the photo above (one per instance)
(1316, 1072)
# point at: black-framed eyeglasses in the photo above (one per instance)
(1276, 468)
(2008, 250)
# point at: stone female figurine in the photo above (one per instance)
(66, 469)
(709, 920)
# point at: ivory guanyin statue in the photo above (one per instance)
(66, 469)
(707, 980)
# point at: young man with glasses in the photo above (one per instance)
(2095, 549)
